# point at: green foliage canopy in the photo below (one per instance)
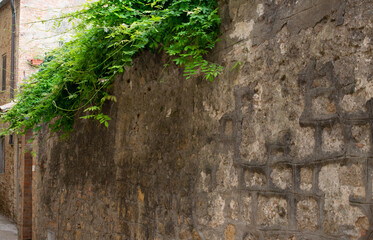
(110, 33)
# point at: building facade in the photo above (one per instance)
(27, 32)
(7, 60)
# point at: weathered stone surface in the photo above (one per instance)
(360, 135)
(233, 210)
(230, 232)
(338, 211)
(8, 202)
(306, 179)
(307, 214)
(279, 147)
(254, 179)
(333, 140)
(296, 15)
(246, 208)
(272, 211)
(282, 177)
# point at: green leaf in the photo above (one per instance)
(108, 34)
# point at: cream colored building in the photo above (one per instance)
(27, 32)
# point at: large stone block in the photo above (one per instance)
(272, 211)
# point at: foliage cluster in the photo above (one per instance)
(110, 33)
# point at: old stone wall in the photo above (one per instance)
(5, 48)
(7, 187)
(278, 147)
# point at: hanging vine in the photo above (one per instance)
(109, 34)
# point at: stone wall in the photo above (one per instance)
(5, 48)
(35, 38)
(278, 147)
(7, 187)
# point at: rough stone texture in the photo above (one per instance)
(277, 148)
(306, 179)
(282, 177)
(340, 216)
(272, 211)
(7, 180)
(307, 214)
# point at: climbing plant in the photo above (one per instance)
(109, 34)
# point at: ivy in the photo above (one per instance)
(109, 34)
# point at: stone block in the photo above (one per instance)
(246, 208)
(303, 142)
(354, 103)
(307, 214)
(332, 138)
(254, 178)
(282, 177)
(226, 175)
(230, 232)
(216, 211)
(233, 210)
(340, 215)
(252, 147)
(306, 176)
(352, 177)
(323, 106)
(360, 135)
(272, 211)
